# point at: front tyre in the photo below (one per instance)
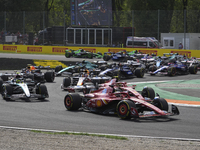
(161, 103)
(148, 92)
(124, 109)
(72, 101)
(193, 69)
(7, 91)
(49, 76)
(42, 90)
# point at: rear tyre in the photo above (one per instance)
(152, 68)
(66, 81)
(106, 57)
(193, 69)
(7, 91)
(124, 109)
(139, 72)
(90, 55)
(1, 83)
(49, 76)
(171, 71)
(67, 54)
(4, 78)
(72, 101)
(148, 92)
(161, 103)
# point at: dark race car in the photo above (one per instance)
(123, 71)
(118, 98)
(80, 53)
(84, 81)
(38, 75)
(119, 56)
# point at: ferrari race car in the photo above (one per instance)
(118, 98)
(20, 88)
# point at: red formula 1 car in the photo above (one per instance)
(118, 98)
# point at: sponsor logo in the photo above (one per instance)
(93, 50)
(186, 53)
(59, 49)
(116, 50)
(9, 48)
(34, 49)
(149, 51)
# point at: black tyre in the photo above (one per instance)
(58, 68)
(139, 72)
(106, 57)
(7, 91)
(90, 55)
(1, 83)
(161, 103)
(193, 69)
(67, 54)
(66, 81)
(72, 101)
(49, 76)
(171, 71)
(124, 109)
(42, 90)
(4, 78)
(152, 68)
(148, 92)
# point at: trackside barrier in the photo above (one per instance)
(60, 50)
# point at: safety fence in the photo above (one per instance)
(60, 50)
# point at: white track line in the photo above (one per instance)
(128, 136)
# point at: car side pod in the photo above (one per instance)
(175, 110)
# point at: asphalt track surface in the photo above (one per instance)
(52, 115)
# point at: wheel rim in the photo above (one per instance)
(173, 71)
(123, 109)
(195, 69)
(68, 101)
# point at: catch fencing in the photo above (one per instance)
(57, 28)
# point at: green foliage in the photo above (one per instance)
(38, 14)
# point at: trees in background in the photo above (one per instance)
(149, 17)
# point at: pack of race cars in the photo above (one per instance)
(97, 86)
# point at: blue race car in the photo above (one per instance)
(172, 68)
(123, 71)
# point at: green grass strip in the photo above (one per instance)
(84, 134)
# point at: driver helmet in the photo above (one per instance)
(18, 75)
